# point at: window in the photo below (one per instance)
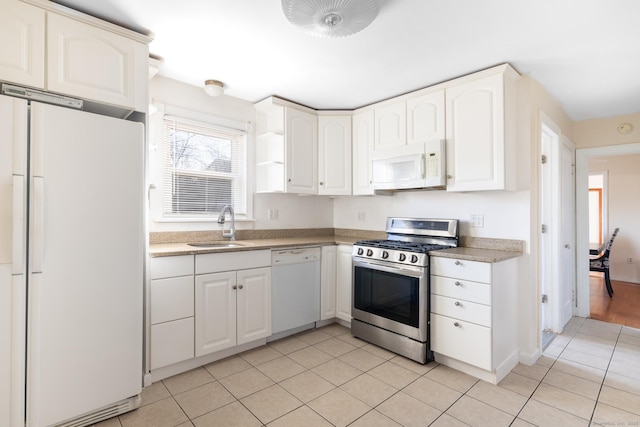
(204, 169)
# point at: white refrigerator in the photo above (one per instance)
(71, 264)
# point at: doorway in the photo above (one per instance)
(582, 220)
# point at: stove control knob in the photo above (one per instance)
(360, 251)
(402, 257)
(369, 252)
(414, 258)
(385, 254)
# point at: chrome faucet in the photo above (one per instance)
(231, 234)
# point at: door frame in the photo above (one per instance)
(582, 221)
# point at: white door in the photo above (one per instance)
(557, 241)
(215, 323)
(86, 245)
(13, 166)
(567, 273)
(253, 304)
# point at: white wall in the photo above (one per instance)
(293, 211)
(623, 204)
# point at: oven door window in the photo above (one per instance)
(389, 295)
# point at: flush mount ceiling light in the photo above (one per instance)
(213, 88)
(331, 18)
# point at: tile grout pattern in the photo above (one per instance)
(588, 376)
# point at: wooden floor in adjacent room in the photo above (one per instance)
(623, 308)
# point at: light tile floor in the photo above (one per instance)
(588, 376)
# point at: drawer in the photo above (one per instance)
(171, 266)
(461, 289)
(461, 340)
(461, 309)
(229, 261)
(172, 342)
(171, 299)
(461, 269)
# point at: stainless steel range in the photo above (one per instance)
(391, 284)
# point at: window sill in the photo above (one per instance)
(197, 220)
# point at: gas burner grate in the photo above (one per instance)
(402, 246)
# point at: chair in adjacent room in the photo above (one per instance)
(601, 262)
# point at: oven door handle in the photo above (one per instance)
(404, 270)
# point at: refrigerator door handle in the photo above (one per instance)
(37, 226)
(19, 235)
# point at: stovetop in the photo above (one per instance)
(409, 241)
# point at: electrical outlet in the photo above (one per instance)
(629, 260)
(361, 216)
(477, 220)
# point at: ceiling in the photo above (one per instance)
(585, 53)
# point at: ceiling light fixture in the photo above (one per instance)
(213, 88)
(331, 18)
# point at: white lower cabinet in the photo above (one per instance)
(171, 310)
(328, 282)
(232, 307)
(473, 316)
(344, 278)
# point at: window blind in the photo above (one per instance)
(204, 169)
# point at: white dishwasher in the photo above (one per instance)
(295, 288)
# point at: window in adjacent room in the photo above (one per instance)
(204, 169)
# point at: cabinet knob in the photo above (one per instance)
(567, 246)
(457, 283)
(240, 286)
(449, 176)
(456, 324)
(321, 183)
(234, 287)
(458, 263)
(457, 304)
(289, 180)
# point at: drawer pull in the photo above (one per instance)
(456, 324)
(457, 283)
(457, 304)
(457, 262)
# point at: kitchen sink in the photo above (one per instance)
(216, 244)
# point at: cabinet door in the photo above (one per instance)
(95, 64)
(391, 127)
(22, 50)
(253, 304)
(363, 129)
(334, 155)
(475, 135)
(425, 118)
(302, 152)
(344, 278)
(328, 283)
(461, 340)
(215, 297)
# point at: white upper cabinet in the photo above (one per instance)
(80, 56)
(334, 155)
(390, 127)
(302, 148)
(22, 50)
(94, 64)
(363, 130)
(480, 133)
(425, 118)
(286, 148)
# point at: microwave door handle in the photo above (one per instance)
(423, 166)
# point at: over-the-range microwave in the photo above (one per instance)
(421, 170)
